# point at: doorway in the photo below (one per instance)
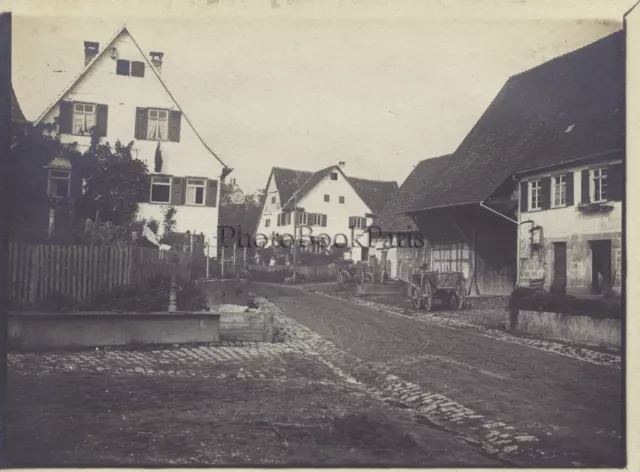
(600, 265)
(559, 284)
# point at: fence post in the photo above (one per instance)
(234, 258)
(207, 262)
(35, 269)
(222, 263)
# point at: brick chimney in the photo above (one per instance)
(90, 51)
(156, 60)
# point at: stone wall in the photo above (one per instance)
(575, 329)
(540, 263)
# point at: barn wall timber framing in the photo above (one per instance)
(476, 242)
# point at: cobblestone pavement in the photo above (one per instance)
(531, 406)
(224, 404)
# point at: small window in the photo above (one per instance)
(84, 117)
(137, 69)
(284, 219)
(341, 199)
(599, 190)
(334, 176)
(318, 219)
(273, 199)
(535, 194)
(357, 222)
(303, 218)
(326, 198)
(195, 191)
(122, 67)
(160, 189)
(59, 183)
(559, 189)
(267, 222)
(157, 125)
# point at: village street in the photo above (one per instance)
(572, 408)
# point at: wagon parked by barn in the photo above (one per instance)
(448, 287)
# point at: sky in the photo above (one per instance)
(305, 85)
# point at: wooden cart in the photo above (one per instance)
(446, 286)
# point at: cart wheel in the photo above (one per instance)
(367, 278)
(427, 302)
(342, 279)
(356, 280)
(461, 295)
(416, 296)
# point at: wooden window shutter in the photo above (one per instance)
(615, 182)
(585, 187)
(65, 120)
(351, 222)
(175, 117)
(177, 191)
(524, 196)
(324, 220)
(102, 117)
(142, 120)
(212, 193)
(545, 200)
(569, 179)
(137, 69)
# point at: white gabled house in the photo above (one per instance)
(120, 91)
(331, 206)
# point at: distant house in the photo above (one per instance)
(331, 208)
(120, 92)
(399, 240)
(470, 214)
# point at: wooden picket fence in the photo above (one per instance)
(36, 270)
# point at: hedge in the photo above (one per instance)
(526, 299)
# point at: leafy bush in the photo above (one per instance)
(523, 298)
(151, 296)
(56, 302)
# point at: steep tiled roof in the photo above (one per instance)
(374, 193)
(426, 174)
(288, 181)
(16, 112)
(525, 124)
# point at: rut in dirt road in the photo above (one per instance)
(572, 405)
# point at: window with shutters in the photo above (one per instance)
(357, 222)
(535, 195)
(599, 190)
(303, 218)
(160, 189)
(318, 219)
(59, 183)
(195, 191)
(84, 118)
(284, 219)
(158, 125)
(559, 191)
(122, 67)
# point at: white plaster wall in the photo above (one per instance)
(270, 210)
(122, 94)
(558, 222)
